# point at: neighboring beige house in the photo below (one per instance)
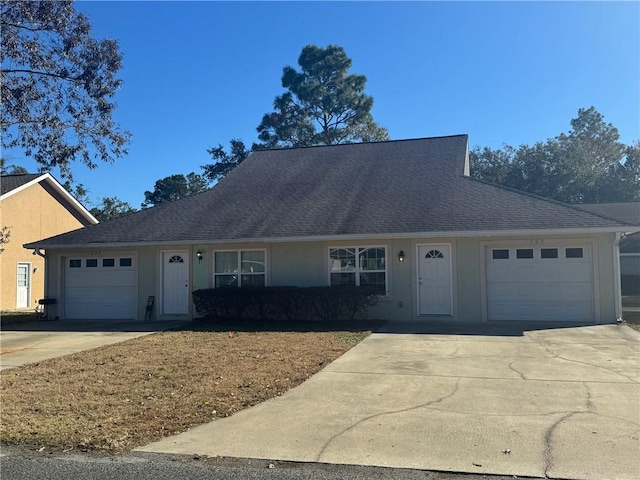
(402, 216)
(32, 206)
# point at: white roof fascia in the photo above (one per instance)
(47, 177)
(368, 236)
(22, 187)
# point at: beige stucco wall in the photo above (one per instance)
(32, 214)
(306, 264)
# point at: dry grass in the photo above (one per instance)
(19, 316)
(121, 396)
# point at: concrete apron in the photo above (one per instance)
(558, 403)
(38, 341)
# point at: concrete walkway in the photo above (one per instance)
(25, 343)
(550, 402)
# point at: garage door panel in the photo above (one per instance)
(552, 289)
(100, 279)
(100, 292)
(89, 303)
(512, 291)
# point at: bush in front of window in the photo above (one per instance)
(285, 303)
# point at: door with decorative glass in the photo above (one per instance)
(434, 279)
(175, 283)
(23, 285)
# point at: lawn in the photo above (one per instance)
(121, 396)
(14, 317)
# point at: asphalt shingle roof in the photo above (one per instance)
(628, 212)
(11, 182)
(395, 187)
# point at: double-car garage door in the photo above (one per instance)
(547, 283)
(100, 287)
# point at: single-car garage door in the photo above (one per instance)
(548, 283)
(101, 287)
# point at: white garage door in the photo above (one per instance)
(549, 283)
(103, 287)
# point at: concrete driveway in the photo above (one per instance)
(33, 342)
(510, 399)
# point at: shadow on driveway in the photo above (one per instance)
(499, 329)
(95, 326)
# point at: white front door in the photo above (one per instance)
(434, 279)
(175, 283)
(23, 285)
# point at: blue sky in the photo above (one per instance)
(197, 74)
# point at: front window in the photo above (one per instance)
(358, 266)
(239, 268)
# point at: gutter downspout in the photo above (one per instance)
(617, 287)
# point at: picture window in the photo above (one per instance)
(358, 266)
(239, 268)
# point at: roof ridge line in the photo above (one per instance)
(276, 149)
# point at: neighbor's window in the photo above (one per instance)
(359, 266)
(239, 268)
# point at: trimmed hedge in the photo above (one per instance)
(291, 303)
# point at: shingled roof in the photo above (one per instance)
(625, 211)
(11, 182)
(371, 189)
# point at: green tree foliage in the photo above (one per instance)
(110, 208)
(324, 104)
(588, 164)
(175, 187)
(6, 169)
(57, 84)
(225, 162)
(78, 191)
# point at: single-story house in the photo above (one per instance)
(32, 206)
(403, 216)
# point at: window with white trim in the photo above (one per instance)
(239, 268)
(359, 266)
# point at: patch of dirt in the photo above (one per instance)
(121, 396)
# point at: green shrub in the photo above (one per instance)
(291, 303)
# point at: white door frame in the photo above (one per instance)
(417, 264)
(187, 259)
(28, 286)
